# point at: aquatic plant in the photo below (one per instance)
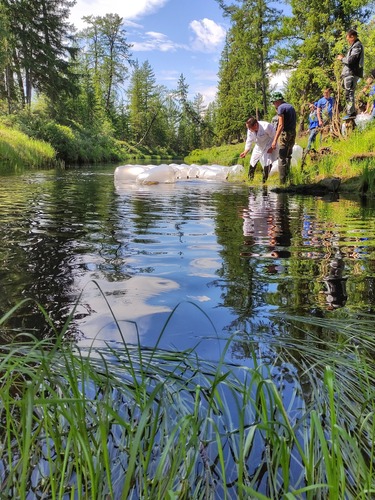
(295, 421)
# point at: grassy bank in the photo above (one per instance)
(351, 158)
(133, 423)
(17, 150)
(26, 143)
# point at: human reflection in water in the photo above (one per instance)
(336, 295)
(266, 228)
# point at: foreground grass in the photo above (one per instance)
(135, 423)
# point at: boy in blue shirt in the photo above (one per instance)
(325, 108)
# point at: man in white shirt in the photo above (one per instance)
(261, 134)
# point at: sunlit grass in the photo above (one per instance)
(19, 150)
(129, 422)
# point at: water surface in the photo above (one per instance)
(221, 256)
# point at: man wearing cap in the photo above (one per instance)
(285, 134)
(352, 70)
(261, 134)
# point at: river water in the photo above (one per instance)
(178, 265)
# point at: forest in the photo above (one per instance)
(85, 94)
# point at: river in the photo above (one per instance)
(177, 265)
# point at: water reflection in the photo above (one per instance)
(336, 295)
(238, 255)
(266, 225)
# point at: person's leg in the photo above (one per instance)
(266, 172)
(251, 172)
(283, 153)
(291, 142)
(312, 137)
(350, 83)
(287, 140)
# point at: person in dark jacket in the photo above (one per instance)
(352, 70)
(285, 134)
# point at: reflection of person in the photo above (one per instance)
(336, 295)
(262, 135)
(352, 70)
(285, 134)
(266, 227)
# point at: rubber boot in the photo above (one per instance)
(266, 171)
(251, 173)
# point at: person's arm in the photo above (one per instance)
(280, 128)
(319, 115)
(271, 132)
(370, 106)
(248, 144)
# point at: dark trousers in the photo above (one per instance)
(286, 142)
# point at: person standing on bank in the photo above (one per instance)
(313, 125)
(262, 135)
(285, 134)
(352, 70)
(325, 108)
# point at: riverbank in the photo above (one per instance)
(350, 159)
(57, 145)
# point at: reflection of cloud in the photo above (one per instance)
(128, 10)
(203, 265)
(129, 303)
(208, 35)
(199, 298)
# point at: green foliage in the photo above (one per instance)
(221, 155)
(244, 74)
(314, 35)
(39, 51)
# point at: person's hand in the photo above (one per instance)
(243, 154)
(273, 146)
(270, 149)
(340, 57)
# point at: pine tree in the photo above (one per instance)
(41, 48)
(244, 66)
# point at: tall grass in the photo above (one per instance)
(128, 422)
(19, 150)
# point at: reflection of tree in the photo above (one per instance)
(292, 259)
(336, 295)
(42, 251)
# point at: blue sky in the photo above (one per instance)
(175, 36)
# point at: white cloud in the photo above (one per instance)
(208, 35)
(153, 40)
(129, 10)
(279, 80)
(208, 92)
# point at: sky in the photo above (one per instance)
(175, 36)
